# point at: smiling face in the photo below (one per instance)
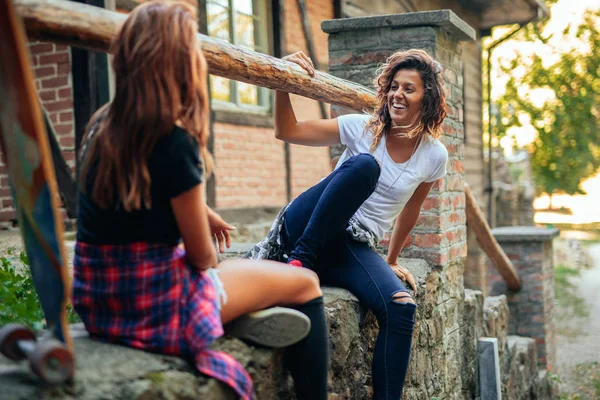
(405, 98)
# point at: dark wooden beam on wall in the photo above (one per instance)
(89, 71)
(310, 47)
(337, 8)
(279, 50)
(211, 183)
(83, 69)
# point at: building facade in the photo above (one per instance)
(254, 170)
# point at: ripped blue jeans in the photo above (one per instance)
(314, 233)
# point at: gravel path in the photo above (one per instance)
(579, 354)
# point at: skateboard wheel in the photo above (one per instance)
(52, 361)
(10, 335)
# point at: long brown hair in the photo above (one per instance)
(160, 77)
(434, 100)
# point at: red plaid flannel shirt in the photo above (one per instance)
(145, 296)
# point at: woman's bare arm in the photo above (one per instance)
(192, 219)
(324, 132)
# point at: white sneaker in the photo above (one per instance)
(271, 327)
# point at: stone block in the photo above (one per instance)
(471, 330)
(489, 369)
(522, 374)
(444, 19)
(496, 315)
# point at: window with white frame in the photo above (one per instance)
(243, 23)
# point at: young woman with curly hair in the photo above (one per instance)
(392, 159)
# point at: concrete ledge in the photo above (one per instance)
(445, 19)
(524, 234)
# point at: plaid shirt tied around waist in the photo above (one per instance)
(145, 296)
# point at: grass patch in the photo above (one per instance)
(19, 302)
(587, 382)
(569, 304)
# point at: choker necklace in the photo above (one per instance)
(409, 126)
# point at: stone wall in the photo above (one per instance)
(443, 363)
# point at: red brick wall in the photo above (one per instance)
(250, 167)
(52, 67)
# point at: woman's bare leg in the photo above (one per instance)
(253, 285)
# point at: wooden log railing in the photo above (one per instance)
(93, 28)
(477, 224)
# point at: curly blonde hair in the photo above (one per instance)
(434, 100)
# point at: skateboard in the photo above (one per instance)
(27, 155)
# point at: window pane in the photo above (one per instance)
(244, 30)
(218, 21)
(243, 6)
(220, 88)
(248, 93)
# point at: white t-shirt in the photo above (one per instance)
(398, 181)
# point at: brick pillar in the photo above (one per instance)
(532, 308)
(356, 48)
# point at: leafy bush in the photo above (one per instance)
(18, 299)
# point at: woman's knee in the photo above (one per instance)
(308, 284)
(367, 165)
(402, 309)
(403, 297)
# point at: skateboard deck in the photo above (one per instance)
(28, 158)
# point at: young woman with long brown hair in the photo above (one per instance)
(142, 193)
(392, 159)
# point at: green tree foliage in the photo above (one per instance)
(567, 148)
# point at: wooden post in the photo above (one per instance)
(211, 182)
(89, 71)
(489, 369)
(476, 222)
(279, 50)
